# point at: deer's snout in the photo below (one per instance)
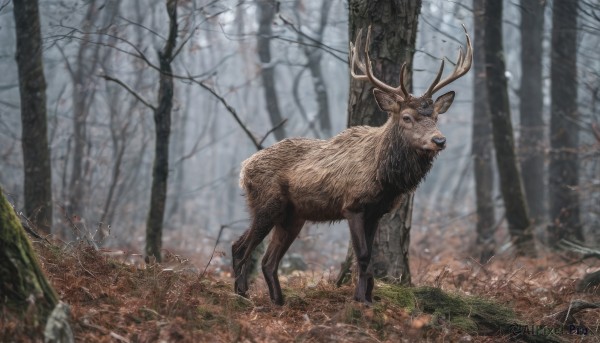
(440, 141)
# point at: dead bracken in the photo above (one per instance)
(115, 301)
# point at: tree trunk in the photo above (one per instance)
(482, 146)
(314, 56)
(531, 140)
(511, 186)
(162, 121)
(21, 275)
(394, 43)
(266, 13)
(34, 136)
(83, 93)
(564, 135)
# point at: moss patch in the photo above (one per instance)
(398, 295)
(470, 314)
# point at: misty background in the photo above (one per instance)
(84, 40)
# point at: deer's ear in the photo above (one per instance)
(442, 104)
(387, 102)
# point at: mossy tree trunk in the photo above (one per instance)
(34, 137)
(162, 121)
(21, 278)
(511, 186)
(394, 27)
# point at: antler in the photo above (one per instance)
(463, 64)
(368, 68)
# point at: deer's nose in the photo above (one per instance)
(439, 141)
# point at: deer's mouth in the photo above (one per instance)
(430, 152)
(432, 149)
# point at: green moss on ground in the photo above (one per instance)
(471, 314)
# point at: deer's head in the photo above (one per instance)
(417, 116)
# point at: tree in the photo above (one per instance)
(266, 13)
(81, 70)
(20, 272)
(162, 121)
(482, 143)
(314, 55)
(34, 136)
(531, 140)
(563, 172)
(394, 43)
(519, 225)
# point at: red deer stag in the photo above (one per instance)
(357, 175)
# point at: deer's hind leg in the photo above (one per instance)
(284, 235)
(262, 223)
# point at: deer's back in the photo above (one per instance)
(318, 178)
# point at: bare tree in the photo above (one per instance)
(564, 133)
(34, 137)
(83, 92)
(511, 187)
(482, 143)
(162, 120)
(81, 69)
(314, 56)
(531, 139)
(266, 14)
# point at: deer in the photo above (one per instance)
(357, 175)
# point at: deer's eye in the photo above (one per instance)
(407, 119)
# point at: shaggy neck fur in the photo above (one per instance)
(401, 166)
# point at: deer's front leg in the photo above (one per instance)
(356, 221)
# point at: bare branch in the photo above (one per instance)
(4, 5)
(138, 52)
(185, 40)
(223, 227)
(566, 316)
(143, 27)
(213, 252)
(131, 91)
(69, 68)
(272, 129)
(328, 49)
(579, 248)
(231, 110)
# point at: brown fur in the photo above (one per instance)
(319, 178)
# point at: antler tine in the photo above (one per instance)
(405, 93)
(429, 91)
(463, 65)
(354, 61)
(367, 67)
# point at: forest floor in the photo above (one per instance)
(113, 299)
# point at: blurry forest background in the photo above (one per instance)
(269, 64)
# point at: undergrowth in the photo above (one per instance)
(113, 299)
